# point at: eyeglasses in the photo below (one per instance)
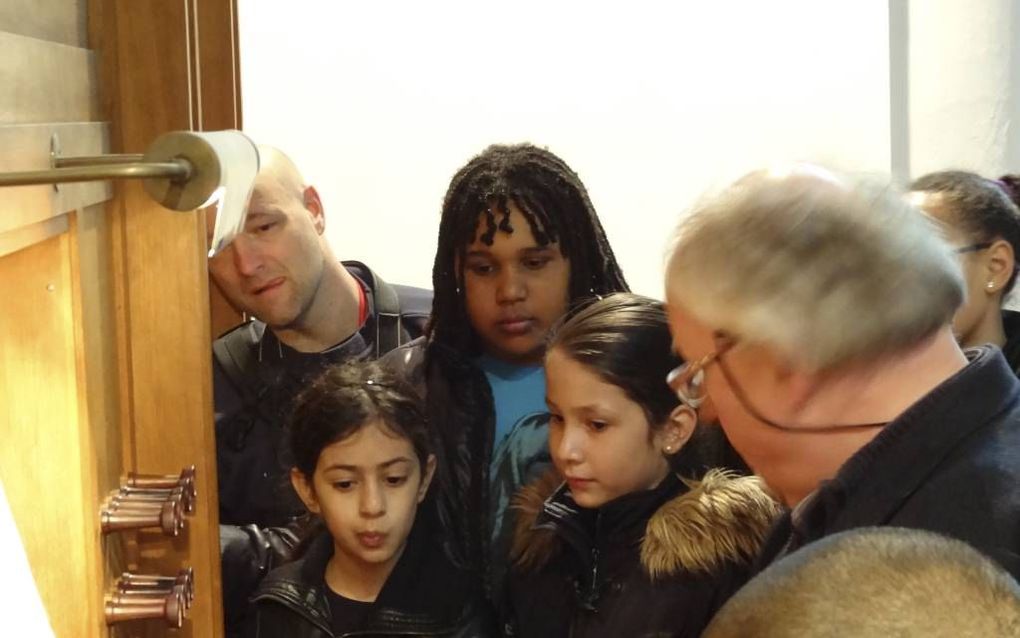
(688, 379)
(973, 248)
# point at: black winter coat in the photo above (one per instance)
(424, 596)
(655, 563)
(949, 464)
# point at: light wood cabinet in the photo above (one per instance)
(104, 298)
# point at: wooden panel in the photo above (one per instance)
(41, 455)
(220, 79)
(46, 82)
(25, 236)
(153, 67)
(220, 108)
(55, 20)
(97, 322)
(146, 50)
(27, 147)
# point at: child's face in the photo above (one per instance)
(600, 439)
(515, 291)
(367, 488)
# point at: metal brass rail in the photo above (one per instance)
(96, 160)
(77, 169)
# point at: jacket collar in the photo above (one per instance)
(617, 526)
(879, 477)
(402, 605)
(679, 526)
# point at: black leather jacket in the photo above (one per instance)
(424, 596)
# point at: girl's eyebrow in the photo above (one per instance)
(355, 468)
(537, 249)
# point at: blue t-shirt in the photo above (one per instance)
(518, 393)
(520, 448)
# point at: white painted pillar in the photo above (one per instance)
(962, 97)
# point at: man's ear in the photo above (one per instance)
(314, 206)
(427, 473)
(304, 490)
(999, 263)
(678, 429)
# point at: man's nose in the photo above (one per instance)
(247, 256)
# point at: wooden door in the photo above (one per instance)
(104, 300)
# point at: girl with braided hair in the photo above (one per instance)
(519, 243)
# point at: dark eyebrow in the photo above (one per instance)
(537, 250)
(258, 215)
(382, 466)
(524, 252)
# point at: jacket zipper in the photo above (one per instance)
(593, 592)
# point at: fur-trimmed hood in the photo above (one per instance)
(720, 519)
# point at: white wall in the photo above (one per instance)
(380, 103)
(964, 88)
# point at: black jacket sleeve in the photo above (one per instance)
(248, 553)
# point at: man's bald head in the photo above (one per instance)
(278, 171)
(274, 268)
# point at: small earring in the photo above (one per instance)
(669, 449)
(990, 285)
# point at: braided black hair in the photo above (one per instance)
(555, 203)
(980, 207)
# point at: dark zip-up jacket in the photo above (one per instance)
(424, 596)
(949, 464)
(653, 563)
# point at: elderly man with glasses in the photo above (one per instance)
(814, 312)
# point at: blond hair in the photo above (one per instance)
(823, 268)
(875, 583)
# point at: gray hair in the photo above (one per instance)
(824, 269)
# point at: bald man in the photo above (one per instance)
(309, 310)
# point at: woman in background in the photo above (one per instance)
(982, 222)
